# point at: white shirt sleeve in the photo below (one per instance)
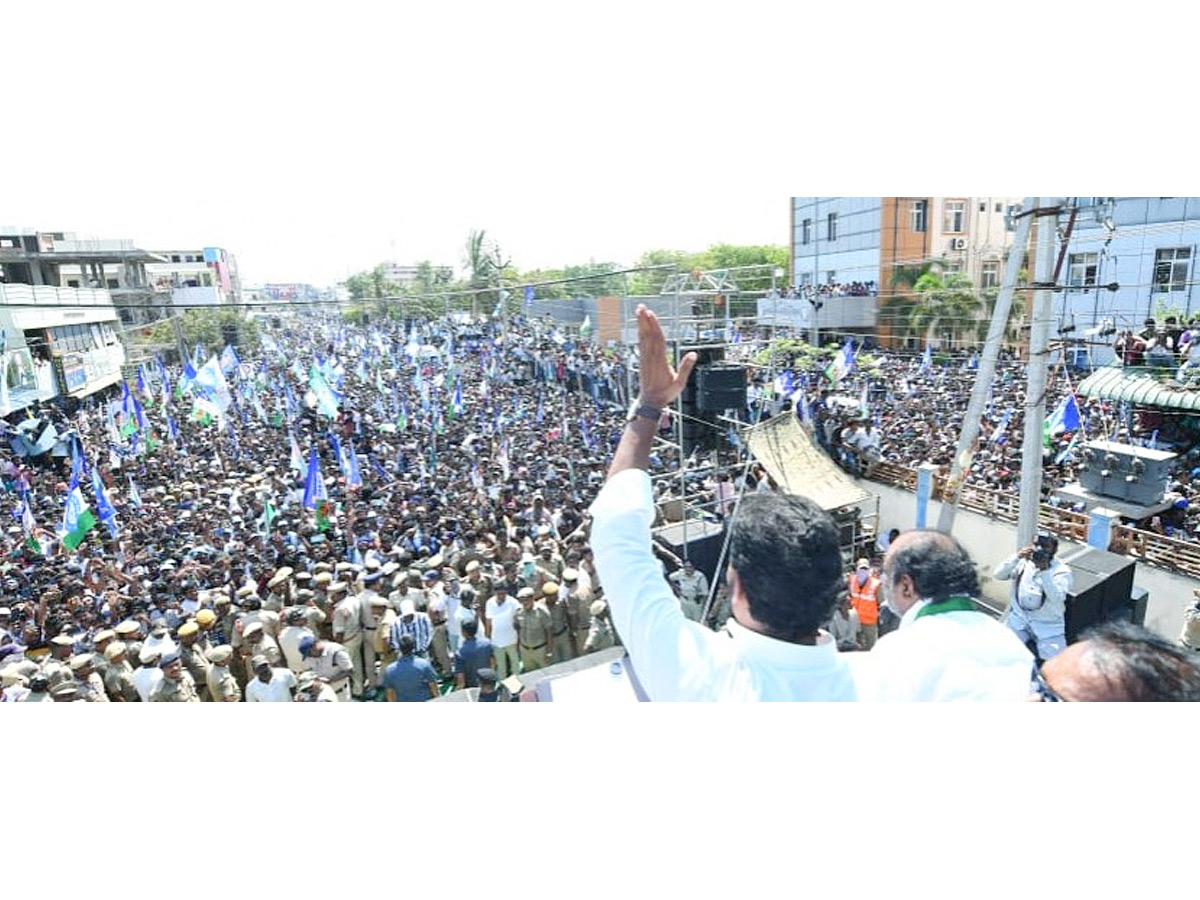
(672, 655)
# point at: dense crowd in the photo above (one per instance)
(422, 533)
(907, 408)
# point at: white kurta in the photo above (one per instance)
(680, 660)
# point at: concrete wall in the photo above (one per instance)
(989, 541)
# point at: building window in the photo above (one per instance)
(830, 275)
(831, 227)
(999, 207)
(73, 282)
(806, 231)
(805, 279)
(1081, 269)
(916, 215)
(983, 206)
(175, 258)
(1171, 268)
(989, 276)
(113, 284)
(954, 216)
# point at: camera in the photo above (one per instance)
(1040, 556)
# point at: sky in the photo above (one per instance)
(316, 140)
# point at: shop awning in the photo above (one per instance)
(1138, 386)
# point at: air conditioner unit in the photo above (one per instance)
(958, 243)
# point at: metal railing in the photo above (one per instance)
(1150, 547)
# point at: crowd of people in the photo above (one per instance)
(423, 534)
(396, 512)
(907, 407)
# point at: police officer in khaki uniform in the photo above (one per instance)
(91, 688)
(561, 648)
(100, 642)
(385, 618)
(278, 590)
(193, 658)
(348, 631)
(331, 662)
(118, 679)
(176, 685)
(57, 666)
(533, 626)
(578, 612)
(600, 634)
(222, 686)
(369, 613)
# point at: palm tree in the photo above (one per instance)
(898, 306)
(945, 302)
(479, 264)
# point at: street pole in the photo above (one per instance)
(987, 370)
(1037, 369)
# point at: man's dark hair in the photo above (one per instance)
(937, 564)
(408, 645)
(470, 627)
(1139, 665)
(785, 552)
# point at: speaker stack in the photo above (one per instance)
(1103, 590)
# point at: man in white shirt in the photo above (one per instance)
(499, 615)
(146, 678)
(270, 685)
(946, 648)
(784, 575)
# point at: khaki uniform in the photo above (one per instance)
(579, 613)
(533, 636)
(181, 691)
(118, 681)
(222, 686)
(335, 666)
(560, 633)
(439, 650)
(268, 647)
(197, 666)
(348, 631)
(96, 684)
(383, 650)
(370, 631)
(600, 636)
(56, 671)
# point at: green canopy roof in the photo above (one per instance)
(1139, 386)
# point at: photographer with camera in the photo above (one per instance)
(1038, 604)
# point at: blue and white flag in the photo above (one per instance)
(327, 402)
(927, 359)
(135, 496)
(353, 476)
(297, 460)
(229, 360)
(999, 436)
(104, 508)
(314, 485)
(1065, 418)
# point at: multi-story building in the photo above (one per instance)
(852, 250)
(60, 339)
(205, 277)
(1128, 259)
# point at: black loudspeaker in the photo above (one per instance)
(1103, 590)
(703, 543)
(229, 334)
(699, 429)
(720, 387)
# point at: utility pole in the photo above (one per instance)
(1037, 368)
(987, 369)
